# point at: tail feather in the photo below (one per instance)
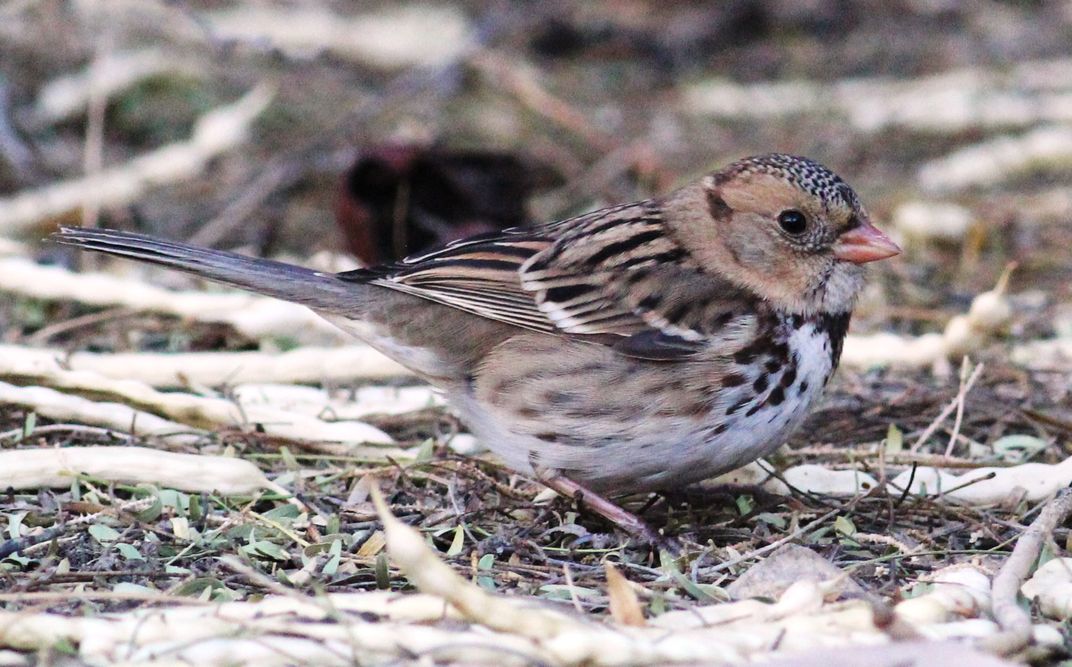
(320, 291)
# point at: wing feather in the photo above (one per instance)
(616, 276)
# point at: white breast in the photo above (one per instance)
(752, 436)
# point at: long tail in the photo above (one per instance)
(320, 291)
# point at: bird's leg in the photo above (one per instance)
(619, 516)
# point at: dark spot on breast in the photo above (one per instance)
(722, 320)
(528, 412)
(737, 406)
(733, 380)
(746, 356)
(720, 428)
(803, 387)
(760, 385)
(718, 207)
(789, 377)
(764, 344)
(547, 437)
(776, 396)
(753, 410)
(772, 365)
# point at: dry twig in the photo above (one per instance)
(1014, 621)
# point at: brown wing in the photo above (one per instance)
(630, 277)
(613, 275)
(478, 275)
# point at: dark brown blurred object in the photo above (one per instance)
(399, 199)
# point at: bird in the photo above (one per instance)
(640, 347)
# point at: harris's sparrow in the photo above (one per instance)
(638, 347)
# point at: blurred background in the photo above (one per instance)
(378, 128)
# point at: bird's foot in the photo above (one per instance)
(611, 511)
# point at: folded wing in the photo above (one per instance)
(613, 276)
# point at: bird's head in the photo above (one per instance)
(785, 227)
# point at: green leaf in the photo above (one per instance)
(196, 586)
(776, 520)
(486, 562)
(334, 558)
(425, 451)
(894, 439)
(745, 504)
(845, 526)
(224, 594)
(563, 591)
(180, 502)
(29, 425)
(1018, 448)
(289, 461)
(265, 549)
(818, 536)
(658, 604)
(128, 551)
(103, 534)
(284, 514)
(457, 544)
(196, 513)
(152, 512)
(383, 575)
(692, 588)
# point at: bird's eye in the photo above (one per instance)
(792, 222)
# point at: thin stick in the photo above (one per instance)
(572, 589)
(1015, 623)
(948, 410)
(961, 396)
(773, 545)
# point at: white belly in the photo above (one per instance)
(674, 452)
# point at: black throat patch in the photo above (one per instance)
(836, 325)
